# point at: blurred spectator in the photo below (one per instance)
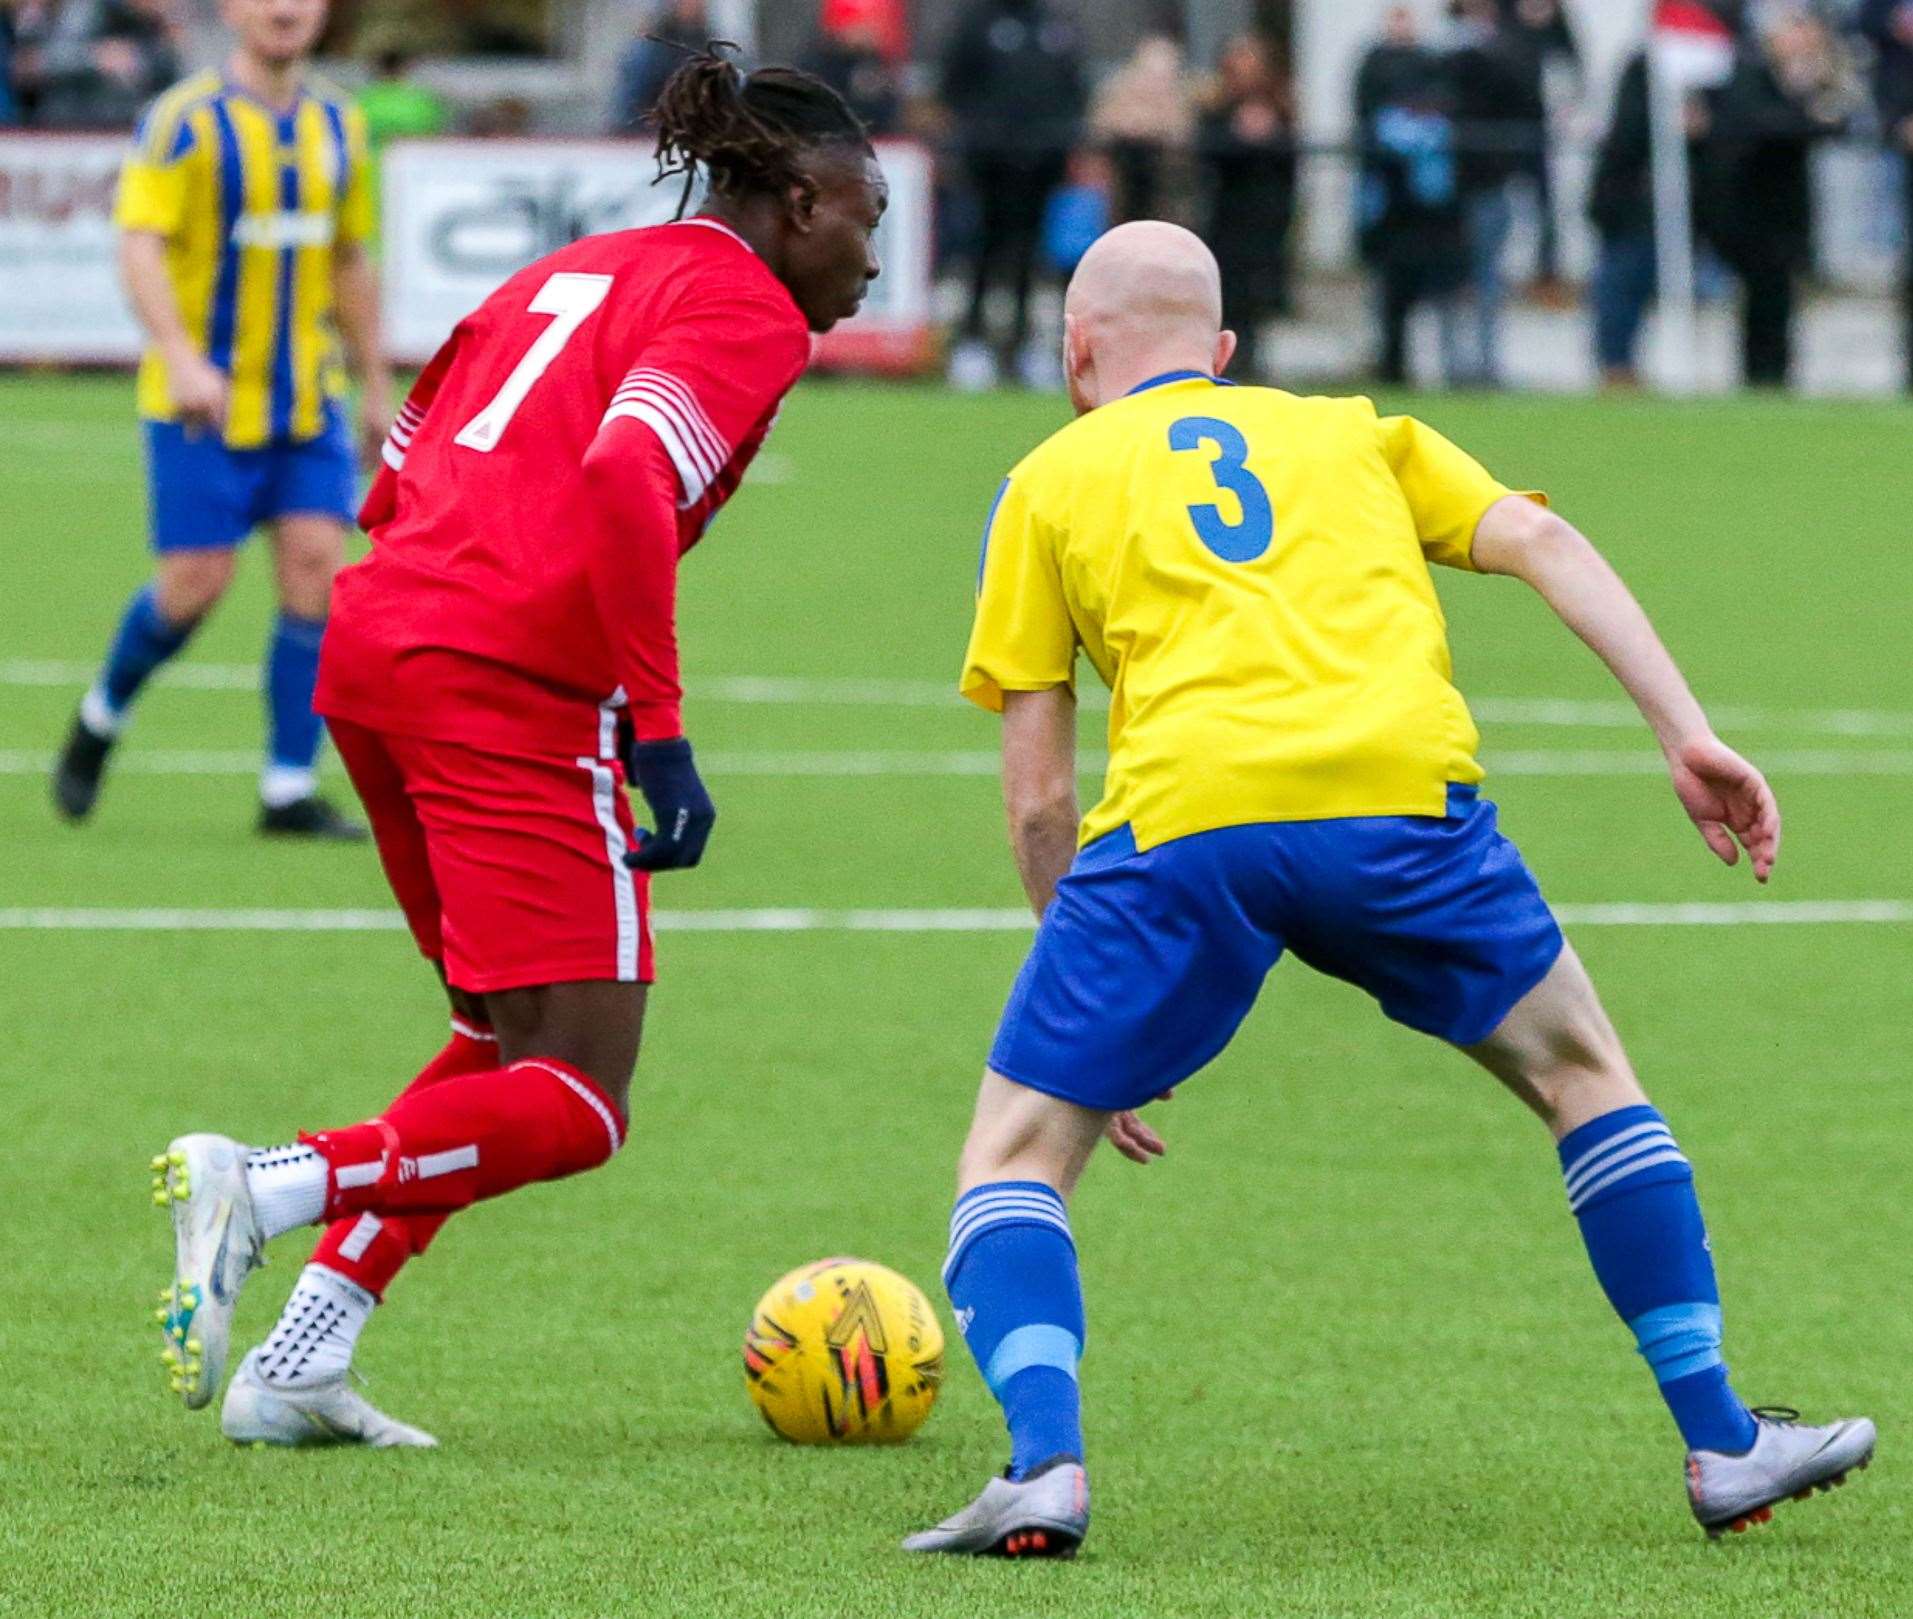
(92, 64)
(1790, 88)
(1246, 145)
(1889, 25)
(1543, 44)
(1398, 65)
(1412, 231)
(394, 104)
(1495, 139)
(1013, 79)
(1078, 212)
(460, 27)
(9, 105)
(1143, 116)
(658, 51)
(885, 22)
(852, 62)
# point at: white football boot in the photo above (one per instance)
(327, 1411)
(1789, 1461)
(1044, 1516)
(217, 1244)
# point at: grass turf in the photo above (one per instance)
(1345, 1357)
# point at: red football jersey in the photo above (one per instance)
(573, 437)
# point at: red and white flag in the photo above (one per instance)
(1692, 45)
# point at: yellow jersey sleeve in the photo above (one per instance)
(153, 180)
(356, 212)
(1447, 489)
(1024, 638)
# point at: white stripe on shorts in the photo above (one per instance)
(624, 887)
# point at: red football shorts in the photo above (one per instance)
(509, 868)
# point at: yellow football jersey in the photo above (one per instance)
(251, 202)
(1248, 572)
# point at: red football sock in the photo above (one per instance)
(443, 1147)
(369, 1250)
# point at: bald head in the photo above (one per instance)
(1147, 298)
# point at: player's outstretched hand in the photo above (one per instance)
(1134, 1139)
(666, 775)
(1730, 801)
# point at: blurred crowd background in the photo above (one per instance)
(1457, 192)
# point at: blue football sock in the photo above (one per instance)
(293, 730)
(1011, 1275)
(145, 639)
(1632, 1189)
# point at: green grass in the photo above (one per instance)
(1345, 1358)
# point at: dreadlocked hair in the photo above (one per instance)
(749, 131)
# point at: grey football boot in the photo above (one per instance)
(217, 1243)
(1789, 1461)
(1043, 1516)
(326, 1412)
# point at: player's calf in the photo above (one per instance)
(1012, 1279)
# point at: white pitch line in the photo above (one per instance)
(1564, 762)
(805, 920)
(830, 691)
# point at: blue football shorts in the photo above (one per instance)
(204, 496)
(1146, 964)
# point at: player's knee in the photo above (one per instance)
(309, 556)
(1579, 1061)
(189, 584)
(305, 583)
(1021, 1134)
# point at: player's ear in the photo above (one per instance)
(1225, 350)
(801, 203)
(1078, 363)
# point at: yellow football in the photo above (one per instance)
(843, 1352)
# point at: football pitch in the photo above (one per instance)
(1345, 1354)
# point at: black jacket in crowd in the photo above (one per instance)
(1621, 194)
(1893, 62)
(1013, 76)
(1753, 189)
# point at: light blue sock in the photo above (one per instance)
(1632, 1189)
(1011, 1275)
(145, 639)
(293, 730)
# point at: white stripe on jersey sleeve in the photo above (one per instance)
(691, 409)
(710, 454)
(690, 471)
(704, 450)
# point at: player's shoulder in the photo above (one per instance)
(1059, 456)
(165, 129)
(695, 263)
(334, 101)
(1338, 410)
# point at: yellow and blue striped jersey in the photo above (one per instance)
(251, 202)
(1248, 572)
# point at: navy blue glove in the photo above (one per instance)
(666, 775)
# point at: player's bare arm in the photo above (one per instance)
(1725, 796)
(199, 387)
(1039, 798)
(1039, 787)
(356, 304)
